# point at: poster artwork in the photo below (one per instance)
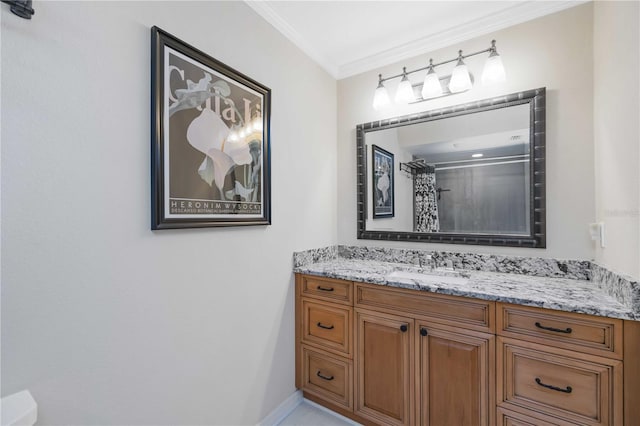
(214, 143)
(210, 145)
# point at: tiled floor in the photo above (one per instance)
(307, 414)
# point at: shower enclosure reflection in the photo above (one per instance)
(467, 174)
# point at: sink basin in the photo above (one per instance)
(427, 278)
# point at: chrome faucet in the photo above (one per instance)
(447, 265)
(425, 261)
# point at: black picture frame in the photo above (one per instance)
(382, 183)
(210, 140)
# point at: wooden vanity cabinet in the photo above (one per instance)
(452, 344)
(561, 365)
(417, 358)
(324, 340)
(442, 375)
(391, 356)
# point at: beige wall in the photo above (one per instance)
(554, 51)
(617, 133)
(103, 320)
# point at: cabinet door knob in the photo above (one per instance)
(423, 332)
(403, 328)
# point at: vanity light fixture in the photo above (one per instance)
(460, 78)
(381, 97)
(431, 87)
(493, 71)
(459, 81)
(404, 94)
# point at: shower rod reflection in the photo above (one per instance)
(480, 160)
(467, 166)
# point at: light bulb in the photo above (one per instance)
(233, 136)
(493, 71)
(460, 79)
(381, 96)
(431, 86)
(404, 93)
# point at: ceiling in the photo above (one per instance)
(351, 37)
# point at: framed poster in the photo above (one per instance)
(383, 177)
(210, 147)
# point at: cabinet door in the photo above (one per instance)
(385, 366)
(457, 370)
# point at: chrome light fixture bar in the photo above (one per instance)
(459, 81)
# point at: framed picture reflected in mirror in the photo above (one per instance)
(382, 167)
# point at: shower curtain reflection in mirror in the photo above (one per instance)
(425, 201)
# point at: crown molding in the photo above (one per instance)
(263, 9)
(514, 15)
(522, 12)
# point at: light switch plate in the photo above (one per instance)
(596, 230)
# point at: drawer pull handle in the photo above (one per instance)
(403, 328)
(557, 330)
(324, 288)
(423, 332)
(567, 390)
(319, 374)
(326, 327)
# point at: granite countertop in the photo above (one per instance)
(564, 294)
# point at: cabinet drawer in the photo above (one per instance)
(462, 312)
(596, 335)
(527, 418)
(337, 291)
(327, 326)
(578, 388)
(328, 377)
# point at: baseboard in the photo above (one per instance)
(333, 413)
(282, 410)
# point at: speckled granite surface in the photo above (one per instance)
(314, 255)
(537, 266)
(516, 280)
(623, 288)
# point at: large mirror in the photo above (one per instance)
(468, 174)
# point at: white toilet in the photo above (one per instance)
(19, 409)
